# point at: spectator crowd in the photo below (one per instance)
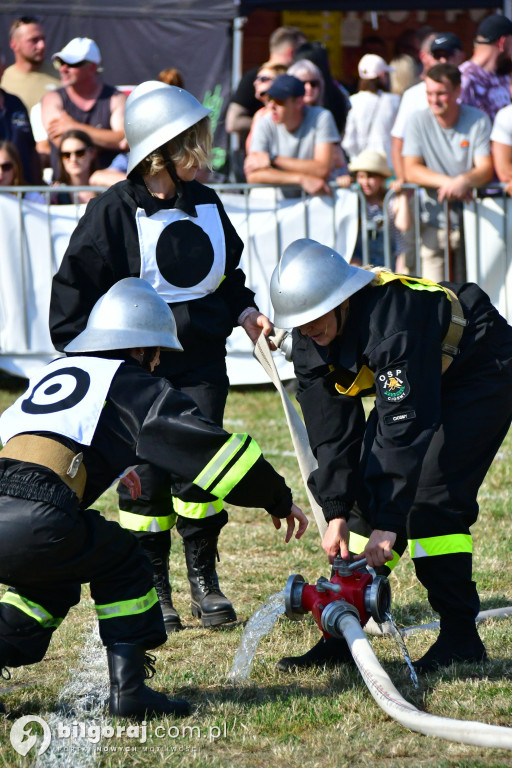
(431, 117)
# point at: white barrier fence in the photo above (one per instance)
(34, 236)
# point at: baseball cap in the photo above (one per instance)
(285, 86)
(446, 41)
(77, 50)
(371, 66)
(492, 28)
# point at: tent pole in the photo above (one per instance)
(236, 74)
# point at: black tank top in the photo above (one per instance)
(98, 117)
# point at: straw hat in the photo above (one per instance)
(371, 162)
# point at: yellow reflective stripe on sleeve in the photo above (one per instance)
(357, 543)
(220, 460)
(197, 511)
(35, 611)
(233, 476)
(127, 607)
(134, 522)
(432, 546)
(207, 478)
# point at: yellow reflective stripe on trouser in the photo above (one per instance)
(127, 607)
(357, 543)
(452, 544)
(207, 478)
(134, 522)
(197, 511)
(35, 611)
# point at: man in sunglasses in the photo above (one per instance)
(84, 102)
(294, 144)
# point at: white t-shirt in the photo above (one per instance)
(502, 126)
(369, 123)
(413, 99)
(317, 127)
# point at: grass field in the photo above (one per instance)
(313, 718)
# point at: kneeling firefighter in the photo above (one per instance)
(81, 423)
(438, 359)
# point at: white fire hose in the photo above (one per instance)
(348, 625)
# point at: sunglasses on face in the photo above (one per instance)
(437, 55)
(5, 167)
(312, 83)
(59, 63)
(75, 152)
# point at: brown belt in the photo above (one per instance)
(450, 345)
(51, 454)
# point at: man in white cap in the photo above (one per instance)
(84, 102)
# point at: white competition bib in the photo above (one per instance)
(181, 256)
(65, 397)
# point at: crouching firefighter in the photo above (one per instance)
(81, 423)
(438, 359)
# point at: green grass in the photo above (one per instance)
(312, 718)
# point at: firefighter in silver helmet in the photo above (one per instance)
(82, 422)
(438, 360)
(162, 225)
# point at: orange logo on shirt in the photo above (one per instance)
(464, 143)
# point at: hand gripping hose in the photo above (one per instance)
(347, 625)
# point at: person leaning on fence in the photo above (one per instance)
(501, 146)
(294, 144)
(438, 358)
(371, 173)
(84, 102)
(446, 151)
(82, 422)
(163, 225)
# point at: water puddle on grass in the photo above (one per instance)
(259, 625)
(401, 644)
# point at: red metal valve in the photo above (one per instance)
(369, 595)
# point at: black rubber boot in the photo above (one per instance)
(128, 666)
(449, 648)
(157, 547)
(208, 602)
(328, 652)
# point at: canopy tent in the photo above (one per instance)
(246, 6)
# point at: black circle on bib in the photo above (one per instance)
(184, 254)
(83, 381)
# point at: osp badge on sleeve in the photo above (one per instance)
(393, 385)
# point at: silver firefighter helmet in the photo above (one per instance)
(131, 314)
(154, 114)
(310, 280)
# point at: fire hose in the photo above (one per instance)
(343, 605)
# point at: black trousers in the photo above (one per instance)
(48, 548)
(476, 416)
(208, 387)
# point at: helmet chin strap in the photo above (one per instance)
(171, 170)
